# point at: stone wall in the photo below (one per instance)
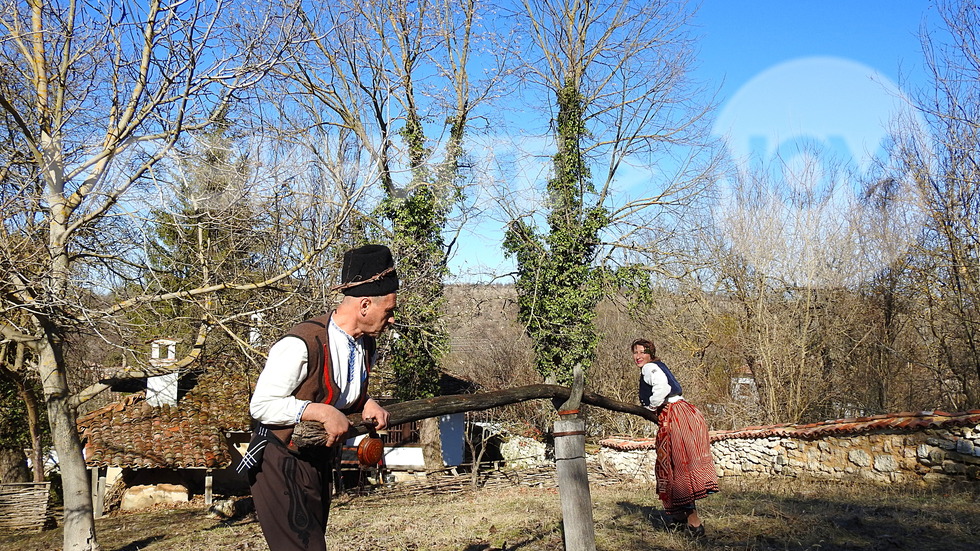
(927, 447)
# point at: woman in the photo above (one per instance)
(685, 470)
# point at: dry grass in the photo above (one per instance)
(745, 516)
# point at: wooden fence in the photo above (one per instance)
(24, 505)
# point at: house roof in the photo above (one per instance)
(131, 433)
(892, 422)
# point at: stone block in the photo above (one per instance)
(859, 458)
(141, 497)
(935, 478)
(870, 476)
(523, 452)
(965, 446)
(922, 452)
(963, 458)
(885, 463)
(231, 508)
(952, 467)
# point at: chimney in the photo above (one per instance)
(162, 389)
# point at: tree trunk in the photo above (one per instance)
(431, 439)
(34, 429)
(13, 466)
(79, 521)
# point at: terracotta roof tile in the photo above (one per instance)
(131, 433)
(841, 427)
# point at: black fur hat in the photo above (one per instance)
(368, 271)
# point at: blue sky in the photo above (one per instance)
(831, 70)
(741, 39)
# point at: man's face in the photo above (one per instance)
(378, 314)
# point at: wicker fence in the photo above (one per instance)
(24, 505)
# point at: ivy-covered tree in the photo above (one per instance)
(418, 220)
(398, 79)
(419, 212)
(558, 285)
(419, 215)
(615, 77)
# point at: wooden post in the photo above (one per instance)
(208, 484)
(573, 474)
(98, 491)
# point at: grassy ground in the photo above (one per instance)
(745, 516)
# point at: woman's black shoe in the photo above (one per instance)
(672, 524)
(695, 531)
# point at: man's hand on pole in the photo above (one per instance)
(374, 412)
(335, 423)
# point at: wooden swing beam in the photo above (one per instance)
(311, 434)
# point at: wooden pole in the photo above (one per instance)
(98, 491)
(572, 471)
(310, 433)
(95, 492)
(208, 488)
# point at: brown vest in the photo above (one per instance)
(319, 385)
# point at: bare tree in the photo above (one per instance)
(788, 263)
(946, 167)
(96, 97)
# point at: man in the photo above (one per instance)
(317, 372)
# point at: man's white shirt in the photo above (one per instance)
(273, 402)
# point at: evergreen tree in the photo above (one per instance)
(204, 235)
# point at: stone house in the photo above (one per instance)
(184, 436)
(191, 444)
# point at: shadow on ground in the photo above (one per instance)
(867, 518)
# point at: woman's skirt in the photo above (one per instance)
(685, 468)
